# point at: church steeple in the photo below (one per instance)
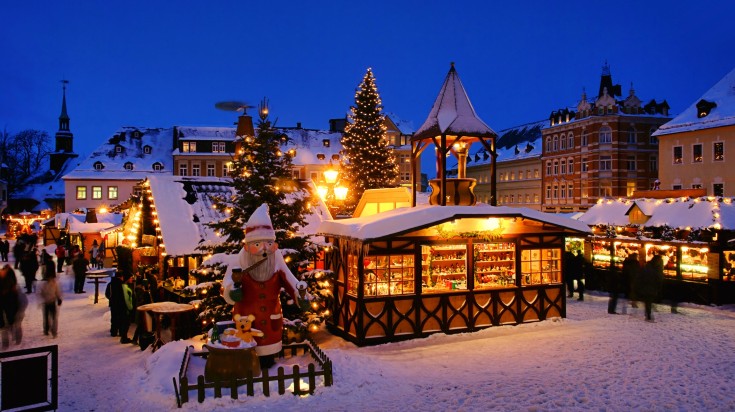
(64, 137)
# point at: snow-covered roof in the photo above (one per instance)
(124, 148)
(77, 222)
(453, 113)
(309, 143)
(406, 219)
(46, 185)
(722, 94)
(516, 143)
(694, 213)
(184, 206)
(404, 126)
(205, 133)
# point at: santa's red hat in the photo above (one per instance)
(259, 226)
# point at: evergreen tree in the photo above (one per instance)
(261, 173)
(370, 163)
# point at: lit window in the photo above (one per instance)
(697, 153)
(81, 192)
(719, 151)
(188, 147)
(326, 142)
(678, 154)
(112, 192)
(96, 192)
(585, 165)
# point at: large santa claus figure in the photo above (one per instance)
(254, 288)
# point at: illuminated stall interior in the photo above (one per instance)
(410, 272)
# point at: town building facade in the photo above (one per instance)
(602, 148)
(693, 146)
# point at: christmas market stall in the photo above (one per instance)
(411, 272)
(25, 223)
(693, 234)
(83, 230)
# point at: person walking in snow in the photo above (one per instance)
(60, 253)
(4, 249)
(79, 265)
(29, 267)
(568, 277)
(51, 298)
(93, 254)
(620, 281)
(120, 298)
(650, 281)
(10, 305)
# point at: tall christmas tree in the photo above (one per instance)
(261, 173)
(369, 162)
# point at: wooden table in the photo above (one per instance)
(97, 277)
(173, 310)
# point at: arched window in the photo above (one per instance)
(570, 166)
(605, 134)
(631, 136)
(548, 168)
(555, 144)
(563, 167)
(562, 142)
(570, 140)
(548, 144)
(556, 167)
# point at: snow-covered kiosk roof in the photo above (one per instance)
(77, 222)
(405, 220)
(719, 104)
(692, 213)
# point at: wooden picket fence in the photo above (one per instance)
(321, 366)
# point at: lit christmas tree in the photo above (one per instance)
(261, 173)
(370, 163)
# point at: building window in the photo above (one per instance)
(535, 198)
(296, 174)
(631, 136)
(718, 189)
(653, 163)
(585, 165)
(196, 170)
(719, 151)
(630, 186)
(606, 162)
(570, 190)
(536, 173)
(501, 176)
(562, 142)
(556, 167)
(653, 139)
(528, 174)
(512, 198)
(112, 192)
(548, 191)
(605, 135)
(563, 192)
(81, 192)
(118, 149)
(676, 187)
(210, 170)
(98, 166)
(678, 154)
(183, 169)
(226, 169)
(555, 144)
(528, 198)
(325, 142)
(548, 168)
(563, 164)
(512, 175)
(556, 192)
(157, 167)
(696, 185)
(548, 144)
(570, 166)
(96, 192)
(146, 149)
(188, 147)
(570, 140)
(697, 153)
(605, 189)
(585, 139)
(128, 166)
(218, 147)
(631, 163)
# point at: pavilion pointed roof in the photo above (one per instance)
(453, 113)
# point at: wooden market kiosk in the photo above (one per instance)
(411, 272)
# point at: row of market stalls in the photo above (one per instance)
(693, 234)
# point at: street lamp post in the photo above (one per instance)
(330, 189)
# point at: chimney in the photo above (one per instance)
(91, 216)
(298, 125)
(245, 126)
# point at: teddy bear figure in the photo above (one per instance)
(243, 325)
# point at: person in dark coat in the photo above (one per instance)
(79, 265)
(60, 253)
(119, 297)
(650, 281)
(29, 267)
(18, 252)
(620, 282)
(9, 304)
(568, 277)
(577, 268)
(4, 249)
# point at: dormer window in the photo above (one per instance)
(136, 134)
(704, 107)
(147, 149)
(157, 166)
(326, 142)
(98, 166)
(335, 157)
(118, 149)
(128, 166)
(320, 156)
(188, 147)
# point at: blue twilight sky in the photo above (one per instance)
(157, 64)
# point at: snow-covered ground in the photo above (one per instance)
(588, 361)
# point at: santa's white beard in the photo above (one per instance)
(265, 270)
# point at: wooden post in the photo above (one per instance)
(312, 379)
(233, 388)
(328, 373)
(184, 385)
(249, 380)
(296, 380)
(217, 389)
(200, 388)
(266, 383)
(281, 381)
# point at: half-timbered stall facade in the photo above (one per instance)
(411, 272)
